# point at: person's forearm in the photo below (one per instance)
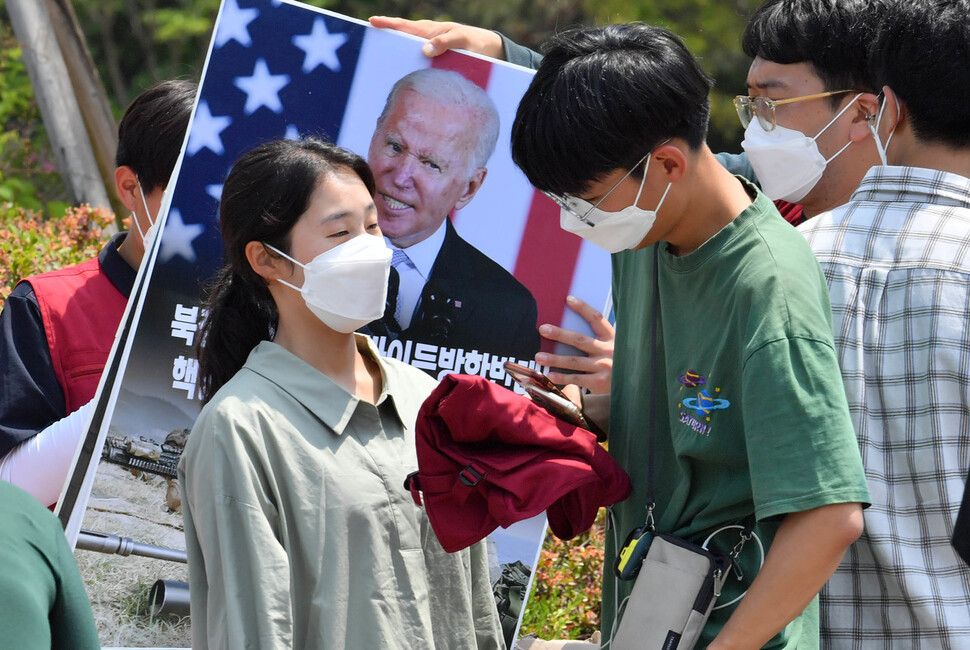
(805, 552)
(40, 465)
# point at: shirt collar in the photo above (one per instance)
(760, 204)
(913, 185)
(330, 403)
(115, 267)
(425, 252)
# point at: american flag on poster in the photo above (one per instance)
(281, 69)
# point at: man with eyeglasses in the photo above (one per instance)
(736, 406)
(810, 98)
(897, 259)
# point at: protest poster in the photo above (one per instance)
(281, 69)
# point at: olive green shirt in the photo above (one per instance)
(299, 531)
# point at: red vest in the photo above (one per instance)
(81, 311)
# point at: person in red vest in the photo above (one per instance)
(57, 328)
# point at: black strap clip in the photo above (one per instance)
(470, 476)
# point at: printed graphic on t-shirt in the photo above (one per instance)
(696, 410)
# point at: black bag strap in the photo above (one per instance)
(651, 425)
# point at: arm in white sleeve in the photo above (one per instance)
(40, 464)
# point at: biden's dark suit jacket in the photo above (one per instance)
(469, 302)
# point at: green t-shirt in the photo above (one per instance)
(752, 416)
(41, 592)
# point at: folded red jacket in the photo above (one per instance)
(488, 457)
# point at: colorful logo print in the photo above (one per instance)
(704, 403)
(692, 379)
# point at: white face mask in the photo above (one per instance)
(874, 129)
(787, 162)
(346, 287)
(612, 231)
(149, 235)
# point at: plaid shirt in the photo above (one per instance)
(897, 260)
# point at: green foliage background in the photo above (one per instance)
(138, 42)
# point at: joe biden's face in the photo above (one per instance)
(420, 158)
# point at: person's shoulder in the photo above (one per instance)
(14, 498)
(22, 297)
(775, 240)
(238, 405)
(774, 268)
(468, 263)
(245, 391)
(84, 268)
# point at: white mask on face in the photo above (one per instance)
(874, 129)
(346, 287)
(612, 231)
(787, 162)
(148, 235)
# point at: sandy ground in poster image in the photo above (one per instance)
(132, 506)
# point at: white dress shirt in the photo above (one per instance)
(414, 275)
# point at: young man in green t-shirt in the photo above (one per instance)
(749, 417)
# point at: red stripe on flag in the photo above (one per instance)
(475, 70)
(547, 261)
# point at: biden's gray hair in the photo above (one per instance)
(452, 89)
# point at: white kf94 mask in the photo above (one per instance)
(346, 286)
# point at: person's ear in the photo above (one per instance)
(672, 160)
(895, 110)
(266, 264)
(472, 187)
(866, 108)
(126, 184)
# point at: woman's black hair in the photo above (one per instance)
(265, 194)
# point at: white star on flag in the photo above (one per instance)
(234, 24)
(206, 131)
(214, 190)
(178, 236)
(262, 88)
(292, 133)
(320, 46)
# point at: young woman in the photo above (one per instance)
(299, 531)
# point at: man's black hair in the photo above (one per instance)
(834, 36)
(602, 99)
(922, 52)
(152, 129)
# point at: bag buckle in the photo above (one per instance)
(470, 476)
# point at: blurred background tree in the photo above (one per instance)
(136, 43)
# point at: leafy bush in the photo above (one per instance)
(565, 598)
(30, 244)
